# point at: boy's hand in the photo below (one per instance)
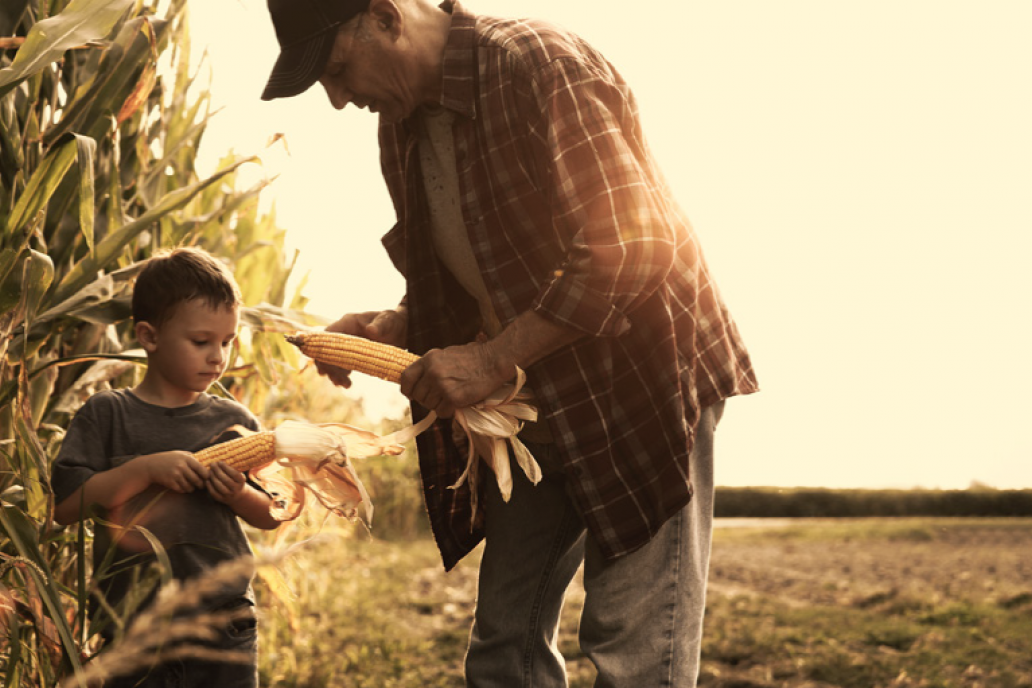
(176, 470)
(225, 483)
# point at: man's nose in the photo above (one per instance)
(339, 96)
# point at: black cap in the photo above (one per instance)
(306, 31)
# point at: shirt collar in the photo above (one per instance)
(458, 83)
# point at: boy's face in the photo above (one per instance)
(190, 350)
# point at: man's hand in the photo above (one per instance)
(387, 327)
(447, 379)
(176, 470)
(457, 377)
(225, 483)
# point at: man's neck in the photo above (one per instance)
(435, 27)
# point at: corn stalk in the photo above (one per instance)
(97, 148)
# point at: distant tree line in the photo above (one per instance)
(761, 502)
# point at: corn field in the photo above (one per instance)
(100, 124)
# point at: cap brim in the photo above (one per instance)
(300, 66)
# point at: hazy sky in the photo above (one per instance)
(860, 174)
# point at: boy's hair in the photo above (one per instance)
(183, 274)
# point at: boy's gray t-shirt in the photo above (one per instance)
(197, 532)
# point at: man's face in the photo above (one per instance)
(367, 69)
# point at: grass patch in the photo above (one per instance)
(368, 613)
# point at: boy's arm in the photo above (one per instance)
(176, 470)
(230, 486)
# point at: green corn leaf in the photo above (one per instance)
(82, 21)
(116, 208)
(124, 74)
(22, 532)
(83, 103)
(113, 244)
(104, 301)
(86, 150)
(41, 393)
(8, 259)
(11, 156)
(40, 188)
(9, 389)
(125, 58)
(37, 275)
(67, 194)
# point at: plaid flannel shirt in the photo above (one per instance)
(568, 216)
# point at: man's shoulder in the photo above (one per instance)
(535, 42)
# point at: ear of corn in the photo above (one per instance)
(489, 425)
(243, 453)
(354, 353)
(291, 439)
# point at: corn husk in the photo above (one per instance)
(488, 426)
(315, 459)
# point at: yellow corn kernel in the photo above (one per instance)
(354, 353)
(244, 453)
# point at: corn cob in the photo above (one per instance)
(243, 453)
(354, 353)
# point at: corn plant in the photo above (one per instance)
(100, 123)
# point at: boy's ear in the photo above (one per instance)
(147, 336)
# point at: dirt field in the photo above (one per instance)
(858, 563)
(867, 603)
(911, 602)
(812, 603)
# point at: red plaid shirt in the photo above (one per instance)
(568, 216)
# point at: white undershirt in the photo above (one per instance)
(448, 231)
(451, 242)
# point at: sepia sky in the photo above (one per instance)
(860, 174)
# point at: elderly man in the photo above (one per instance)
(534, 230)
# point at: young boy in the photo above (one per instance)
(127, 457)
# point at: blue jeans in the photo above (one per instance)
(642, 620)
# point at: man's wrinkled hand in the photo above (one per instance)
(457, 377)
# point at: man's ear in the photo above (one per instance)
(147, 336)
(386, 16)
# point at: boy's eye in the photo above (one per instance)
(200, 342)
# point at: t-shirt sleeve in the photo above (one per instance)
(82, 455)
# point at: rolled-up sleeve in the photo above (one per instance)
(606, 212)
